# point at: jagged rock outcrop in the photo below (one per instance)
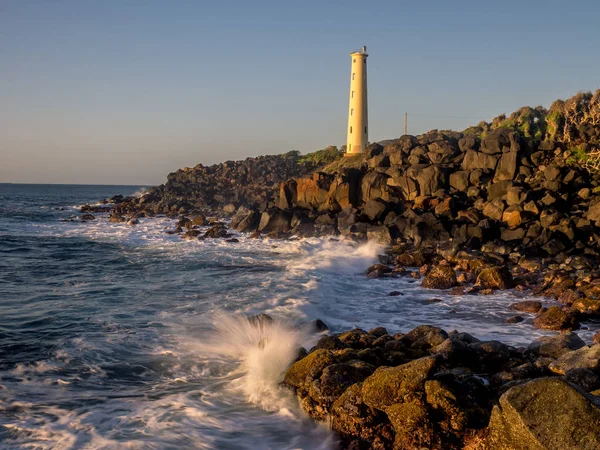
(430, 389)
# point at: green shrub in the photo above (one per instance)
(321, 157)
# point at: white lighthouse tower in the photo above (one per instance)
(358, 123)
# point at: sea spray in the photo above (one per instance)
(266, 348)
(344, 257)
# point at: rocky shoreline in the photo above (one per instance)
(437, 390)
(511, 204)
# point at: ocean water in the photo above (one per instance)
(113, 336)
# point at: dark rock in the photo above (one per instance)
(391, 385)
(583, 358)
(440, 277)
(584, 378)
(215, 232)
(546, 413)
(530, 306)
(514, 319)
(304, 372)
(556, 319)
(494, 278)
(555, 346)
(275, 220)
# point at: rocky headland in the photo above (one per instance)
(511, 204)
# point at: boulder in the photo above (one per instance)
(507, 166)
(516, 196)
(274, 220)
(477, 160)
(430, 178)
(500, 140)
(391, 385)
(245, 220)
(379, 234)
(530, 306)
(556, 318)
(555, 346)
(544, 414)
(494, 209)
(494, 278)
(582, 358)
(216, 231)
(499, 189)
(459, 180)
(304, 372)
(440, 277)
(374, 209)
(352, 419)
(512, 216)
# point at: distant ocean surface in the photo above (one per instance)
(114, 336)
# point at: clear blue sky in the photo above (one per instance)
(125, 91)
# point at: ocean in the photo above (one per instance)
(115, 336)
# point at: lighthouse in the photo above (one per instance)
(358, 124)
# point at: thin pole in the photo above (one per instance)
(405, 120)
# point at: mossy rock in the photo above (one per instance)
(352, 419)
(494, 278)
(583, 358)
(440, 277)
(391, 385)
(587, 306)
(544, 414)
(308, 369)
(556, 318)
(411, 424)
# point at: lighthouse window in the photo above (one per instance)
(352, 94)
(365, 130)
(352, 112)
(350, 129)
(353, 76)
(354, 60)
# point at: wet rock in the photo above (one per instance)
(319, 325)
(584, 378)
(494, 278)
(379, 234)
(275, 220)
(304, 372)
(215, 232)
(491, 356)
(424, 337)
(440, 277)
(530, 306)
(260, 320)
(353, 419)
(332, 383)
(412, 425)
(87, 217)
(583, 358)
(116, 218)
(391, 385)
(544, 414)
(514, 319)
(556, 318)
(555, 346)
(330, 343)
